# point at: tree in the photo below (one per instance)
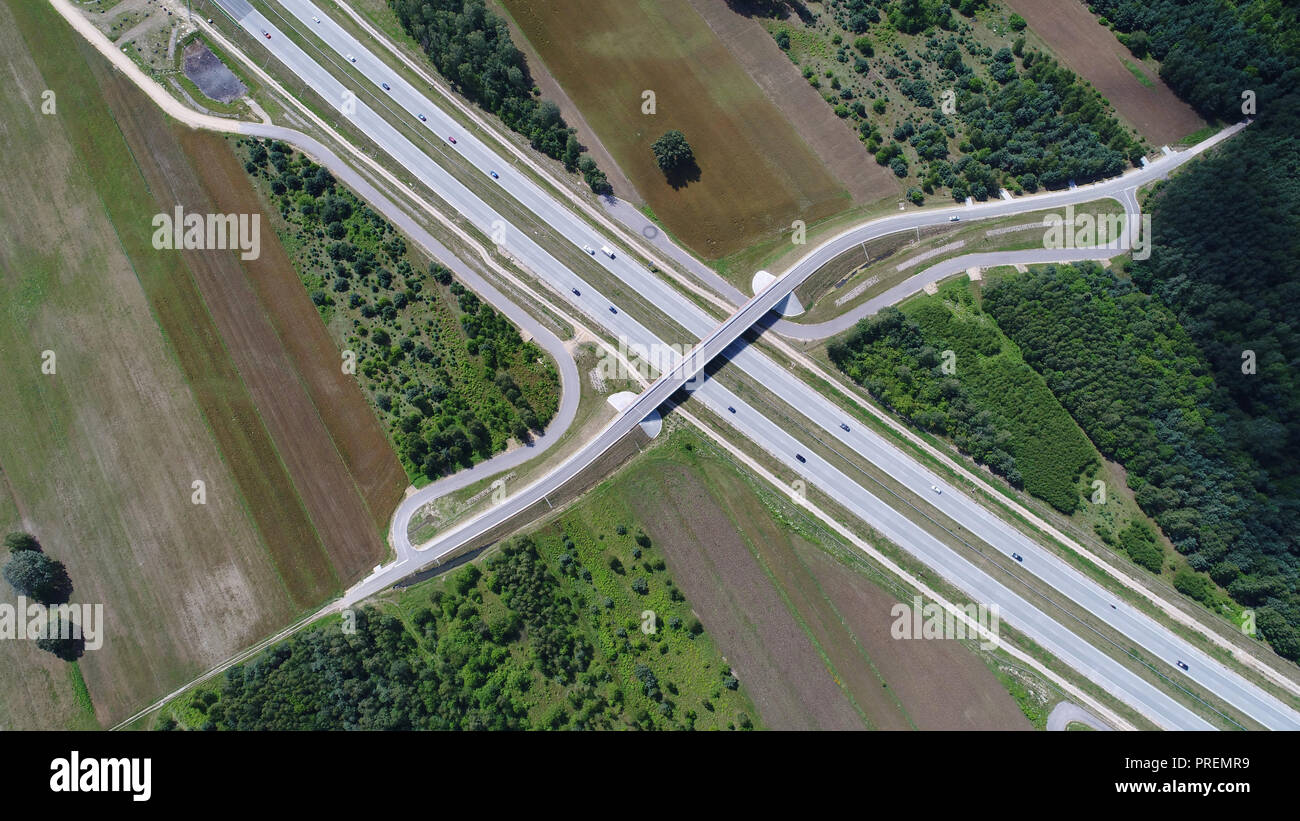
(672, 152)
(36, 575)
(18, 541)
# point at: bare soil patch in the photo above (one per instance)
(739, 606)
(941, 684)
(834, 142)
(210, 74)
(357, 434)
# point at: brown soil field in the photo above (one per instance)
(808, 633)
(341, 519)
(834, 141)
(1091, 51)
(553, 91)
(740, 607)
(342, 407)
(757, 174)
(100, 456)
(279, 405)
(941, 684)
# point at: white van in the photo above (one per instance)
(607, 251)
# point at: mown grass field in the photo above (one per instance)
(100, 456)
(756, 174)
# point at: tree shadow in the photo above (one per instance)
(683, 175)
(773, 9)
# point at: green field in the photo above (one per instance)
(101, 455)
(991, 403)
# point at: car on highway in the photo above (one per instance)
(351, 59)
(613, 310)
(589, 249)
(494, 175)
(607, 251)
(954, 219)
(1182, 665)
(844, 427)
(386, 86)
(799, 456)
(267, 33)
(314, 17)
(451, 140)
(733, 410)
(936, 488)
(422, 119)
(1018, 557)
(576, 292)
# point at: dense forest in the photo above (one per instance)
(471, 47)
(1211, 51)
(988, 401)
(1135, 380)
(539, 641)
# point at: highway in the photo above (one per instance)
(1154, 639)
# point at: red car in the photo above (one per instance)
(268, 34)
(452, 140)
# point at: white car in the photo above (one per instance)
(589, 249)
(351, 59)
(314, 17)
(936, 488)
(954, 219)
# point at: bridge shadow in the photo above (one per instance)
(452, 564)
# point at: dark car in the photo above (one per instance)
(421, 116)
(799, 456)
(494, 175)
(576, 292)
(1017, 557)
(733, 410)
(386, 87)
(1184, 666)
(613, 310)
(844, 427)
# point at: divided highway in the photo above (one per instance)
(721, 339)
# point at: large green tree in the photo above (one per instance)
(33, 574)
(672, 152)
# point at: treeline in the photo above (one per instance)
(1211, 51)
(529, 644)
(1137, 383)
(1017, 118)
(943, 369)
(472, 48)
